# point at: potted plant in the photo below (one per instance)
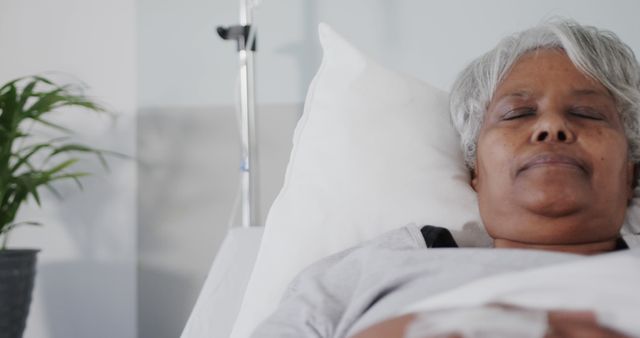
(28, 164)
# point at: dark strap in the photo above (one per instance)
(620, 244)
(437, 237)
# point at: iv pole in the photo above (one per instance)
(244, 35)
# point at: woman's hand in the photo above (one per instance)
(578, 324)
(561, 324)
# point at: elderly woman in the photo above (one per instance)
(550, 127)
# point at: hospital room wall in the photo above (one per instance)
(187, 136)
(86, 274)
(189, 151)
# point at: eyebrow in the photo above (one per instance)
(589, 92)
(525, 93)
(518, 93)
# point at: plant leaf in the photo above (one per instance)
(12, 226)
(27, 93)
(35, 98)
(56, 169)
(53, 190)
(52, 125)
(24, 159)
(8, 104)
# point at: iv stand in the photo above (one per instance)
(246, 49)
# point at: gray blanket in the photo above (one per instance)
(344, 293)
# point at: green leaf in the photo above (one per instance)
(24, 159)
(42, 79)
(34, 193)
(75, 147)
(9, 104)
(58, 168)
(27, 93)
(25, 170)
(46, 102)
(52, 125)
(72, 147)
(10, 83)
(61, 96)
(50, 143)
(73, 176)
(77, 180)
(53, 190)
(27, 184)
(4, 231)
(31, 223)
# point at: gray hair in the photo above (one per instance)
(598, 53)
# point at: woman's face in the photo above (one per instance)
(552, 163)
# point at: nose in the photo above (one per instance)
(552, 127)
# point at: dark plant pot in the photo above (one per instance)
(17, 272)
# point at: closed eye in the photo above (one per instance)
(586, 113)
(518, 113)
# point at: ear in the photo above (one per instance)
(474, 178)
(633, 173)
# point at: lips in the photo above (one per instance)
(553, 159)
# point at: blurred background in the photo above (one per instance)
(127, 256)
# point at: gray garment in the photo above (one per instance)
(349, 291)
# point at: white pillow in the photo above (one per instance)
(373, 151)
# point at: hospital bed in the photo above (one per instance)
(221, 296)
(357, 115)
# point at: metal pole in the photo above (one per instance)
(244, 34)
(248, 172)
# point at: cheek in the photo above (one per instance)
(612, 169)
(610, 145)
(496, 151)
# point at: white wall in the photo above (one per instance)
(186, 71)
(181, 60)
(86, 279)
(184, 63)
(188, 180)
(434, 40)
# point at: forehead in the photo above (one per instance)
(546, 69)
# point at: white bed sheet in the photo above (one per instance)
(221, 296)
(605, 284)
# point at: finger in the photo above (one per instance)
(581, 331)
(560, 322)
(564, 316)
(579, 326)
(394, 327)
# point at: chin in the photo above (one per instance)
(553, 204)
(553, 195)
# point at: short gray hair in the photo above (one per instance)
(598, 53)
